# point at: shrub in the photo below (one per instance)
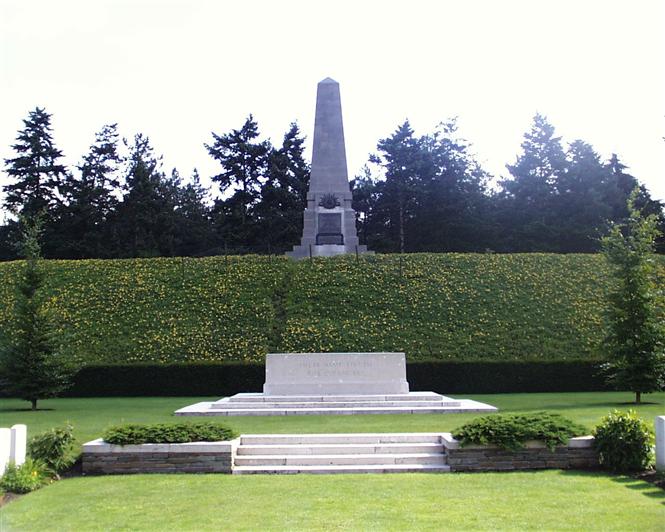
(55, 449)
(511, 431)
(133, 434)
(624, 441)
(25, 478)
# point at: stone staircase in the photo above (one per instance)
(339, 453)
(257, 404)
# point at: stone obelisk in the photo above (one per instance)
(329, 221)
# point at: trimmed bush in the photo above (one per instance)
(25, 478)
(134, 434)
(447, 377)
(55, 449)
(624, 441)
(511, 431)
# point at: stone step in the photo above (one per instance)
(341, 438)
(348, 469)
(340, 448)
(237, 405)
(331, 411)
(220, 408)
(341, 459)
(260, 398)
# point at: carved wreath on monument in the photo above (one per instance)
(329, 201)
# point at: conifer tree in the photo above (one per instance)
(145, 221)
(195, 235)
(32, 363)
(36, 170)
(82, 224)
(284, 193)
(451, 195)
(580, 206)
(636, 341)
(399, 156)
(529, 209)
(244, 161)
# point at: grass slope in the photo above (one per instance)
(455, 306)
(547, 500)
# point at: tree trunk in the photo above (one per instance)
(33, 402)
(638, 398)
(401, 227)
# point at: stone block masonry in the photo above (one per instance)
(100, 458)
(578, 454)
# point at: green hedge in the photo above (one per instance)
(137, 434)
(512, 431)
(445, 377)
(431, 306)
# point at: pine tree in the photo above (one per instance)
(32, 363)
(580, 207)
(636, 341)
(145, 221)
(365, 192)
(529, 194)
(624, 184)
(89, 201)
(451, 198)
(244, 162)
(195, 235)
(399, 156)
(36, 170)
(284, 193)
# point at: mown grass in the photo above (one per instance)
(90, 416)
(447, 306)
(547, 500)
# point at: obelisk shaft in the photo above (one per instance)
(329, 221)
(329, 173)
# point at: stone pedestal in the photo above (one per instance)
(335, 374)
(329, 221)
(334, 384)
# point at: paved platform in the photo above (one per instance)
(258, 404)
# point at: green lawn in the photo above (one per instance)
(91, 416)
(545, 500)
(548, 500)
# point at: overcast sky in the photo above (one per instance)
(177, 70)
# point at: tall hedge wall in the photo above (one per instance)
(445, 377)
(431, 306)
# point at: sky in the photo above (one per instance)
(179, 70)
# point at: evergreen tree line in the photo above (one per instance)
(417, 193)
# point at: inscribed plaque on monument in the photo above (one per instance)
(330, 223)
(330, 229)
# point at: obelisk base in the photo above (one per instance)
(326, 250)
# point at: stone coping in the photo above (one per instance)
(99, 446)
(578, 442)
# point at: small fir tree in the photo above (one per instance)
(637, 335)
(31, 362)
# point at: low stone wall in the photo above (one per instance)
(100, 458)
(578, 454)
